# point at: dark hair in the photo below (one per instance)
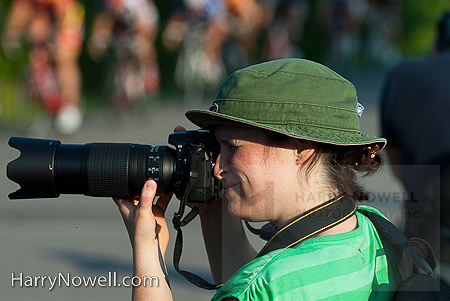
(343, 163)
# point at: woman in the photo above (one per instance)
(290, 142)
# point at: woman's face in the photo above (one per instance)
(260, 180)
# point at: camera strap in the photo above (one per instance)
(304, 226)
(307, 224)
(178, 222)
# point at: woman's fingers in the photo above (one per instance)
(126, 206)
(144, 221)
(161, 205)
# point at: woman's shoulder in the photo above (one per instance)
(325, 266)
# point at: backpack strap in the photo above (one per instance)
(414, 255)
(415, 261)
(409, 264)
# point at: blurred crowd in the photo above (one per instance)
(211, 38)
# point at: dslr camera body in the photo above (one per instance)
(47, 168)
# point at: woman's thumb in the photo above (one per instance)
(147, 195)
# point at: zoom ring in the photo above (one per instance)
(107, 169)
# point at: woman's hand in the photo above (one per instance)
(144, 221)
(149, 237)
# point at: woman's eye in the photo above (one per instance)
(233, 147)
(229, 147)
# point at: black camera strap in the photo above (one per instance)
(306, 225)
(310, 223)
(178, 222)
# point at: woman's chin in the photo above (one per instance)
(234, 208)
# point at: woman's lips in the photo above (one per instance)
(230, 186)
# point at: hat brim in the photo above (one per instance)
(207, 119)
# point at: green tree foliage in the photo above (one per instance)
(419, 19)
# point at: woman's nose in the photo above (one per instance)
(218, 171)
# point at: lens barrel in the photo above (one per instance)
(47, 168)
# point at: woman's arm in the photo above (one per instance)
(149, 237)
(226, 242)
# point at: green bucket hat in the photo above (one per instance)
(295, 97)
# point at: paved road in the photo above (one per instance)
(81, 236)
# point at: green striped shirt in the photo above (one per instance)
(347, 266)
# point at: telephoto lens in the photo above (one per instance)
(47, 168)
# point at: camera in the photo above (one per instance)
(47, 168)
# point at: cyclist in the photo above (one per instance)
(132, 27)
(54, 30)
(198, 29)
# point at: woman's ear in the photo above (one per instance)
(304, 151)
